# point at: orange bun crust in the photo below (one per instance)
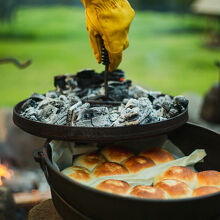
(208, 178)
(114, 186)
(175, 188)
(181, 173)
(137, 163)
(89, 160)
(109, 169)
(148, 192)
(205, 190)
(116, 154)
(77, 173)
(158, 155)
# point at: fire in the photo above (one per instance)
(4, 172)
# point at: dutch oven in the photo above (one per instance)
(77, 201)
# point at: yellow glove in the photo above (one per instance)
(109, 20)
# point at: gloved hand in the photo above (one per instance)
(108, 20)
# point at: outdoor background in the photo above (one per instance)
(168, 46)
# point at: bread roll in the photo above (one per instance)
(175, 188)
(148, 192)
(109, 169)
(114, 186)
(205, 190)
(89, 160)
(135, 164)
(158, 155)
(77, 173)
(181, 173)
(116, 154)
(208, 178)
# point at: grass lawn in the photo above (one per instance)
(166, 51)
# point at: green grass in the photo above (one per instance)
(166, 51)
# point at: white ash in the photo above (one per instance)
(138, 105)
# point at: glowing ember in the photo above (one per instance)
(4, 172)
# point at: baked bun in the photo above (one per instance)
(148, 192)
(158, 155)
(205, 190)
(77, 173)
(116, 154)
(109, 169)
(89, 160)
(175, 188)
(208, 178)
(135, 164)
(181, 173)
(114, 186)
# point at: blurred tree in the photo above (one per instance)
(162, 5)
(7, 8)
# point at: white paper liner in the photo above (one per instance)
(63, 152)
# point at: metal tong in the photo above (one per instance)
(104, 99)
(105, 61)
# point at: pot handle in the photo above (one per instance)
(39, 158)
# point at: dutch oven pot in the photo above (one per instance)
(77, 201)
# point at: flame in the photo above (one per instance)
(4, 172)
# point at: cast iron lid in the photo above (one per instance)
(97, 134)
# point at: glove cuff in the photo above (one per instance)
(103, 4)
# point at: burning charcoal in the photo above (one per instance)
(48, 113)
(96, 111)
(118, 90)
(145, 114)
(37, 97)
(88, 77)
(158, 113)
(173, 112)
(84, 123)
(116, 75)
(113, 117)
(144, 102)
(65, 106)
(137, 92)
(60, 117)
(70, 82)
(132, 103)
(154, 118)
(181, 100)
(52, 94)
(101, 121)
(92, 112)
(63, 98)
(168, 98)
(166, 106)
(70, 113)
(159, 101)
(133, 113)
(73, 99)
(28, 103)
(124, 101)
(33, 118)
(127, 123)
(155, 93)
(79, 113)
(152, 95)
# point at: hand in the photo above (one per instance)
(108, 20)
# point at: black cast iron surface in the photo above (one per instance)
(97, 134)
(76, 201)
